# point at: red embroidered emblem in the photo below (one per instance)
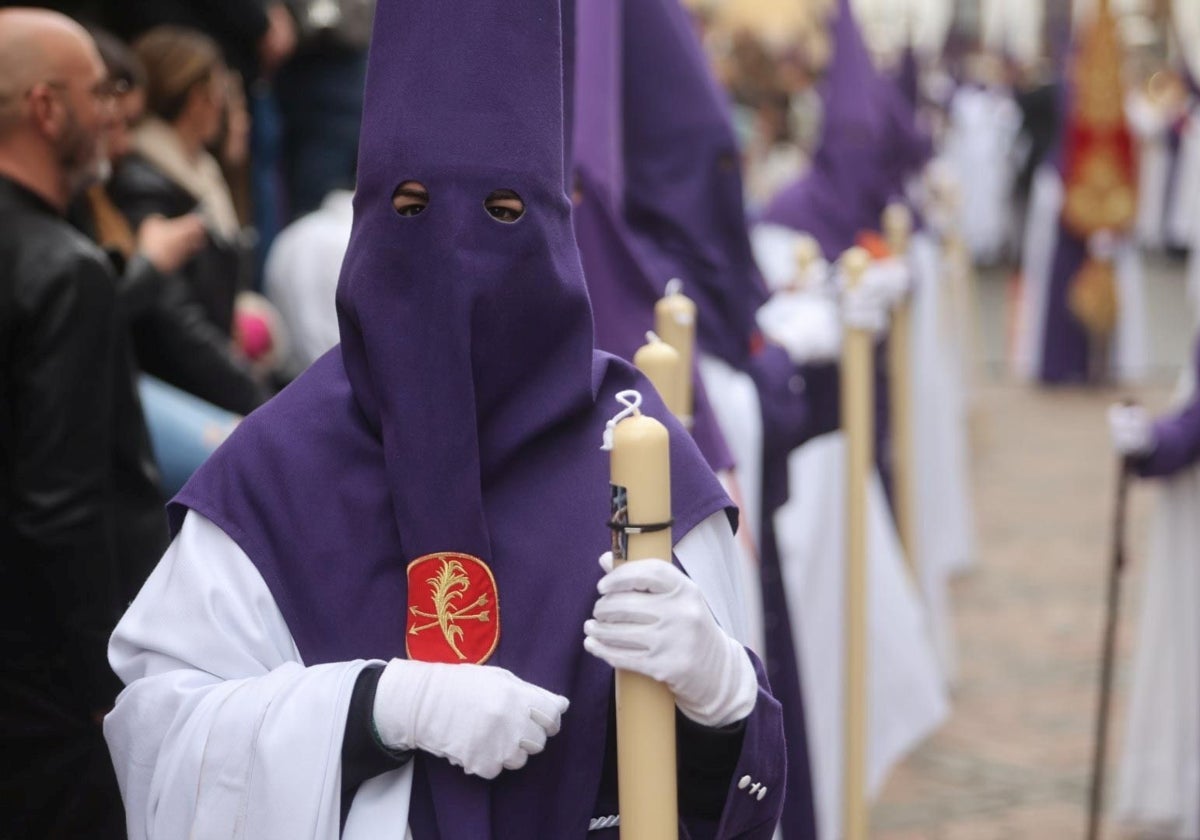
(453, 609)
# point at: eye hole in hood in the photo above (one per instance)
(410, 198)
(505, 206)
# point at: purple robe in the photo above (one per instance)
(1065, 343)
(463, 412)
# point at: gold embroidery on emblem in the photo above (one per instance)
(449, 585)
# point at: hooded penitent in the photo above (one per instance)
(463, 411)
(683, 200)
(621, 286)
(849, 183)
(683, 194)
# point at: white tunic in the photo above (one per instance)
(1150, 124)
(1183, 216)
(223, 732)
(1158, 784)
(984, 127)
(908, 698)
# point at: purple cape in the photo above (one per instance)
(463, 410)
(622, 290)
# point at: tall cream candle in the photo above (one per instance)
(858, 397)
(663, 366)
(646, 772)
(675, 323)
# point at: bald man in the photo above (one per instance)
(58, 570)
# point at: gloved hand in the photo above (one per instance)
(866, 307)
(890, 278)
(806, 325)
(652, 618)
(480, 718)
(1131, 430)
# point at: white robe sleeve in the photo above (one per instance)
(709, 554)
(222, 731)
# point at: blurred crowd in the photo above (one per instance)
(150, 151)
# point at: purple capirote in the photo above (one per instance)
(849, 183)
(463, 411)
(620, 284)
(684, 196)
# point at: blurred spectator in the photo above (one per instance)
(173, 337)
(171, 172)
(255, 37)
(320, 95)
(302, 276)
(80, 515)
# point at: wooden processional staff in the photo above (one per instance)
(897, 228)
(858, 397)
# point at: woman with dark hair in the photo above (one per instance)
(170, 171)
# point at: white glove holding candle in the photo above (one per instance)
(889, 277)
(806, 325)
(652, 618)
(866, 307)
(477, 717)
(1131, 430)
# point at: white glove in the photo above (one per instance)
(1131, 430)
(866, 307)
(804, 324)
(652, 618)
(477, 717)
(890, 278)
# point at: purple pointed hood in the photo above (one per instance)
(909, 145)
(443, 291)
(620, 285)
(463, 411)
(683, 193)
(848, 185)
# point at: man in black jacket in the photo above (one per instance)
(79, 508)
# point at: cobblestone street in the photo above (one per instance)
(1014, 760)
